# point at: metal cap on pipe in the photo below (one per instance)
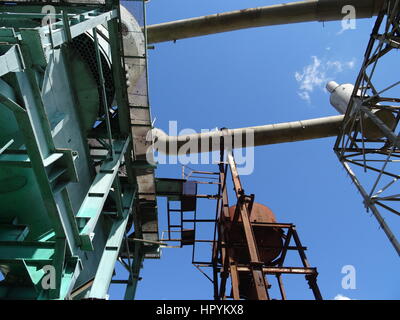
(331, 86)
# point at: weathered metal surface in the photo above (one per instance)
(269, 240)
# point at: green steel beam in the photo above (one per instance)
(7, 35)
(26, 250)
(58, 264)
(54, 38)
(110, 255)
(42, 154)
(103, 92)
(133, 280)
(15, 160)
(34, 151)
(92, 206)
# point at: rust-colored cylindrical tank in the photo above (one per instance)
(269, 242)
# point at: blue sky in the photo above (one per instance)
(263, 76)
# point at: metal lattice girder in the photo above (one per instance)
(368, 145)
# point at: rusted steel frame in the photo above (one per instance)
(285, 247)
(203, 263)
(256, 265)
(199, 221)
(235, 281)
(229, 268)
(254, 255)
(281, 286)
(207, 196)
(194, 228)
(224, 273)
(312, 282)
(200, 177)
(238, 245)
(281, 270)
(198, 267)
(181, 227)
(206, 172)
(299, 246)
(243, 199)
(272, 225)
(214, 263)
(311, 278)
(205, 182)
(217, 243)
(229, 265)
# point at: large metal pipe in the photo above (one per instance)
(294, 12)
(247, 137)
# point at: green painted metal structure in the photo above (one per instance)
(75, 185)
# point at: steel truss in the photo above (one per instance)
(368, 145)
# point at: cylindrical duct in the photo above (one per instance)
(247, 137)
(286, 13)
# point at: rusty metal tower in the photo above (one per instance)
(248, 244)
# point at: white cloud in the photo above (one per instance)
(305, 95)
(318, 73)
(341, 297)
